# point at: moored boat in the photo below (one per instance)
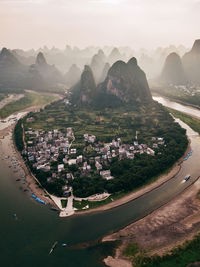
(53, 247)
(187, 177)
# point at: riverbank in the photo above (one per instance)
(163, 229)
(10, 98)
(163, 178)
(158, 233)
(156, 94)
(32, 184)
(171, 98)
(29, 99)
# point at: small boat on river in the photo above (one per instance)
(53, 247)
(187, 177)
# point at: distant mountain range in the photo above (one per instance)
(183, 71)
(16, 72)
(125, 83)
(27, 70)
(38, 76)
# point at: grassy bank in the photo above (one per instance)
(29, 99)
(2, 96)
(95, 204)
(183, 255)
(178, 96)
(188, 253)
(192, 122)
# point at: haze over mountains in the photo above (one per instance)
(191, 63)
(55, 69)
(124, 83)
(182, 71)
(14, 74)
(173, 71)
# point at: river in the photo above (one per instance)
(25, 240)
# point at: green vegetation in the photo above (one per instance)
(64, 203)
(131, 249)
(179, 257)
(192, 122)
(92, 204)
(148, 121)
(2, 96)
(30, 99)
(183, 255)
(11, 90)
(95, 204)
(18, 135)
(178, 95)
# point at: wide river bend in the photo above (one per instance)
(25, 240)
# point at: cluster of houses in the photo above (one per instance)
(190, 90)
(43, 148)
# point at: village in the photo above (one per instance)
(55, 153)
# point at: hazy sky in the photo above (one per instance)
(136, 23)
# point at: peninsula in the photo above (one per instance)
(100, 142)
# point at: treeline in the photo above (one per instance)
(181, 256)
(150, 121)
(84, 186)
(131, 174)
(54, 187)
(18, 135)
(4, 90)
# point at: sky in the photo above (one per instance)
(136, 23)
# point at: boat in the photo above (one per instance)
(53, 247)
(38, 199)
(64, 244)
(188, 155)
(187, 177)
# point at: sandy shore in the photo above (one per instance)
(163, 229)
(31, 181)
(9, 99)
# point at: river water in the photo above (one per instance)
(25, 240)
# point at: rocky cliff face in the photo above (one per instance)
(191, 63)
(127, 82)
(85, 90)
(173, 72)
